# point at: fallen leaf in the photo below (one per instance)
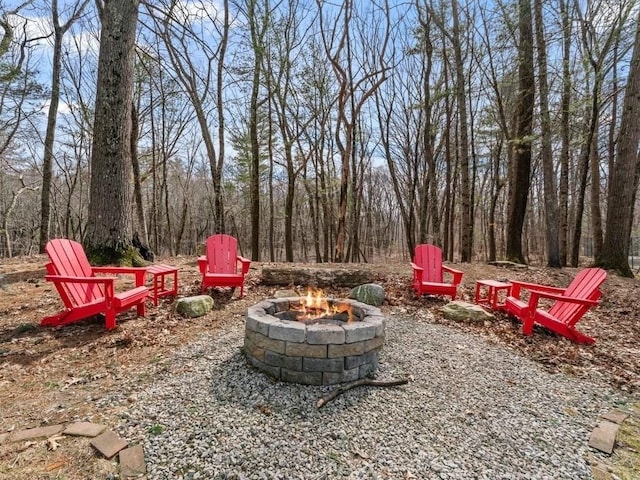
(52, 442)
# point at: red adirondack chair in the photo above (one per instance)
(428, 273)
(570, 304)
(222, 266)
(84, 293)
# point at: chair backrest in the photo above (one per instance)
(586, 286)
(222, 252)
(429, 258)
(68, 259)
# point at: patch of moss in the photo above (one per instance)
(25, 327)
(121, 256)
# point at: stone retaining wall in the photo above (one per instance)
(315, 354)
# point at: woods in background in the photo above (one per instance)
(324, 132)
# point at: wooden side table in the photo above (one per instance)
(160, 286)
(487, 293)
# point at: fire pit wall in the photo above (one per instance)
(313, 354)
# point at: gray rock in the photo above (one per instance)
(369, 293)
(285, 294)
(459, 310)
(194, 306)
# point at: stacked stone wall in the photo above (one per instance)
(315, 354)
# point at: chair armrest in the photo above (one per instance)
(537, 294)
(64, 279)
(106, 281)
(246, 263)
(517, 286)
(202, 264)
(457, 274)
(417, 272)
(139, 272)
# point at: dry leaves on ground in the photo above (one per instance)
(55, 375)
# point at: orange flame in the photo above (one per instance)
(315, 305)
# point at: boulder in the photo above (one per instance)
(285, 294)
(370, 293)
(459, 310)
(194, 306)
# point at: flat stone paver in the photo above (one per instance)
(47, 431)
(600, 472)
(615, 416)
(132, 462)
(84, 429)
(603, 437)
(108, 444)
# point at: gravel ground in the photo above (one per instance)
(472, 411)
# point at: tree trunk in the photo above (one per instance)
(596, 212)
(137, 180)
(521, 145)
(550, 202)
(565, 104)
(615, 248)
(466, 221)
(108, 238)
(254, 172)
(217, 174)
(47, 159)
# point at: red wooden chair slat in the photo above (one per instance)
(85, 294)
(221, 266)
(428, 273)
(568, 308)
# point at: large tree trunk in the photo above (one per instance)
(520, 171)
(466, 221)
(615, 248)
(108, 238)
(550, 194)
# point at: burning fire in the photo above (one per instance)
(315, 305)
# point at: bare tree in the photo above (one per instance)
(548, 173)
(519, 178)
(47, 159)
(615, 249)
(357, 83)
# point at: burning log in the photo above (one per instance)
(358, 383)
(316, 276)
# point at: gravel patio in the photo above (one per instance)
(471, 410)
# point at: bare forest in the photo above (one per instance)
(319, 131)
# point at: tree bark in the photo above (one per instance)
(615, 248)
(550, 193)
(521, 145)
(565, 104)
(108, 238)
(466, 221)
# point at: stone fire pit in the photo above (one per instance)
(323, 351)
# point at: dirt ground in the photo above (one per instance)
(59, 375)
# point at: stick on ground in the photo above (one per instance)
(358, 383)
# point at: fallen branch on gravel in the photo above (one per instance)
(358, 383)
